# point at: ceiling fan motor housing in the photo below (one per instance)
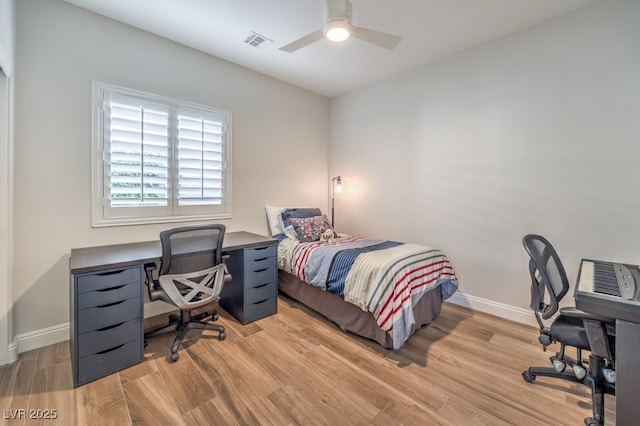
(337, 22)
(337, 10)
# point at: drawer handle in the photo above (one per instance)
(261, 248)
(110, 304)
(110, 288)
(262, 285)
(110, 350)
(261, 259)
(110, 327)
(262, 301)
(105, 274)
(261, 270)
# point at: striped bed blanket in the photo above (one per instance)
(385, 278)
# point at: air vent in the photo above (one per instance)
(257, 40)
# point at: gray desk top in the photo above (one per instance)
(92, 259)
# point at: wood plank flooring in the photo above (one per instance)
(298, 368)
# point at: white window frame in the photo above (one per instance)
(102, 213)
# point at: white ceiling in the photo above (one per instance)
(432, 29)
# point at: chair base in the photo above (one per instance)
(594, 380)
(531, 374)
(181, 325)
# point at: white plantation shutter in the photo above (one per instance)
(138, 155)
(200, 159)
(157, 159)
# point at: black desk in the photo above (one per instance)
(626, 313)
(93, 259)
(107, 299)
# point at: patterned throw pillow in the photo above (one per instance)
(310, 228)
(300, 212)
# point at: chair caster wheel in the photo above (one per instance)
(174, 357)
(589, 421)
(528, 377)
(558, 365)
(222, 336)
(215, 317)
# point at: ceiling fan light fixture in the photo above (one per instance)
(337, 30)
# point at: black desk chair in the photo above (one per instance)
(572, 327)
(192, 274)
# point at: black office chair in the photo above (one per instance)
(572, 327)
(192, 274)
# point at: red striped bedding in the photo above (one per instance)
(385, 278)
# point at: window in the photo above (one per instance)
(157, 159)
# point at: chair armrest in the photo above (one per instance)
(154, 289)
(148, 269)
(227, 275)
(609, 323)
(573, 312)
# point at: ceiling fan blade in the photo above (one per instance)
(304, 41)
(384, 40)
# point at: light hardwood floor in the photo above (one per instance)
(297, 368)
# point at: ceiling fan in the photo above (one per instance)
(337, 27)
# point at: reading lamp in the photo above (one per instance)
(336, 185)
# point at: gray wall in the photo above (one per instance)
(536, 132)
(60, 50)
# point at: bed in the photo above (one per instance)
(381, 290)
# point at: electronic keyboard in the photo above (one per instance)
(609, 289)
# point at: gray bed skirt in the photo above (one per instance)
(350, 317)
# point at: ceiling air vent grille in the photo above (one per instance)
(257, 40)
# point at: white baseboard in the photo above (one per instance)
(11, 354)
(524, 316)
(59, 333)
(43, 337)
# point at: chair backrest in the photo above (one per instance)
(547, 275)
(192, 272)
(191, 248)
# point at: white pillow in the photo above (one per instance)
(274, 220)
(290, 232)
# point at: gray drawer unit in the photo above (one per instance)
(261, 309)
(98, 341)
(106, 322)
(253, 290)
(103, 363)
(115, 294)
(107, 279)
(103, 317)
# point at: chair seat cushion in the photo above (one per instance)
(569, 331)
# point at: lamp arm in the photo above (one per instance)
(332, 211)
(333, 197)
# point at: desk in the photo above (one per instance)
(627, 372)
(93, 259)
(627, 314)
(107, 302)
